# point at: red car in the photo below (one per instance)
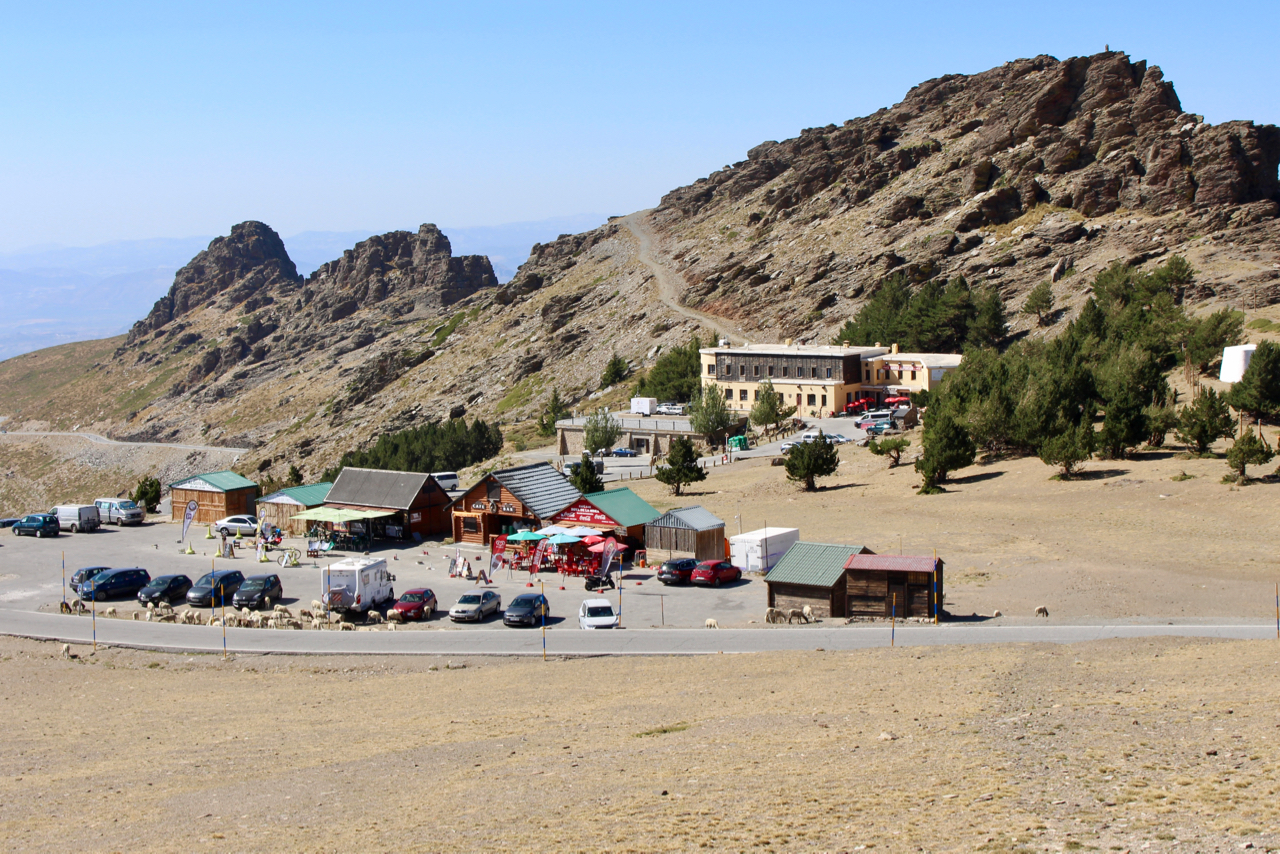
(713, 572)
(416, 604)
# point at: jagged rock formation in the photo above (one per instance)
(1037, 170)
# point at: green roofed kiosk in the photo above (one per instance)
(218, 494)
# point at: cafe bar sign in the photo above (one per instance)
(584, 512)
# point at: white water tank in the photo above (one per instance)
(1234, 362)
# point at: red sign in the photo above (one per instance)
(583, 512)
(499, 544)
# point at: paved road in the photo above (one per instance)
(103, 440)
(670, 284)
(503, 641)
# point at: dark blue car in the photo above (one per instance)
(225, 582)
(37, 525)
(114, 583)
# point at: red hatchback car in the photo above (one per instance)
(713, 572)
(416, 604)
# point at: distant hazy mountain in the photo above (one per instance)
(58, 294)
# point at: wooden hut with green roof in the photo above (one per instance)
(278, 508)
(812, 574)
(217, 494)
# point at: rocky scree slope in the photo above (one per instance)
(1039, 169)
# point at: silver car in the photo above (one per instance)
(245, 526)
(475, 606)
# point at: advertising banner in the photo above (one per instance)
(606, 556)
(540, 552)
(192, 507)
(499, 544)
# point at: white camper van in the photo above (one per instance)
(448, 480)
(77, 517)
(356, 584)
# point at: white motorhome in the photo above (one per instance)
(77, 517)
(356, 584)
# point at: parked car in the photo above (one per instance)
(714, 572)
(878, 428)
(572, 468)
(119, 511)
(245, 525)
(165, 588)
(838, 438)
(227, 581)
(880, 416)
(448, 480)
(257, 590)
(7, 523)
(114, 583)
(80, 576)
(37, 525)
(528, 609)
(417, 604)
(475, 606)
(597, 614)
(624, 452)
(670, 409)
(76, 517)
(677, 570)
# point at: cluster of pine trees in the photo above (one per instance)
(937, 318)
(432, 447)
(1099, 387)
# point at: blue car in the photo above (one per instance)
(623, 452)
(37, 525)
(115, 584)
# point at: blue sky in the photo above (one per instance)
(138, 120)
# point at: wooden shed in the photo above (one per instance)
(812, 574)
(217, 493)
(693, 530)
(876, 582)
(610, 510)
(511, 499)
(414, 502)
(278, 507)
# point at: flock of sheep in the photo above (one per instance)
(279, 617)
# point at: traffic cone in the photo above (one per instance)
(209, 533)
(189, 551)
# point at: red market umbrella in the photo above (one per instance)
(599, 547)
(593, 539)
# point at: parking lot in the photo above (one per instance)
(31, 578)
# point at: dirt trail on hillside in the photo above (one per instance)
(670, 284)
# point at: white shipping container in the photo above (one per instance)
(644, 405)
(759, 550)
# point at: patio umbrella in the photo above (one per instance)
(593, 539)
(583, 531)
(525, 535)
(552, 530)
(599, 547)
(564, 540)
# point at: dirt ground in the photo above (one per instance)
(1166, 744)
(1124, 540)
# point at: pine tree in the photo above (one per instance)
(808, 460)
(709, 415)
(681, 466)
(989, 326)
(1039, 302)
(615, 371)
(947, 447)
(295, 476)
(147, 494)
(1258, 390)
(676, 375)
(585, 478)
(769, 410)
(1204, 421)
(554, 411)
(891, 448)
(600, 431)
(1070, 446)
(1247, 450)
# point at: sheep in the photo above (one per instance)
(316, 605)
(78, 607)
(711, 623)
(64, 607)
(795, 614)
(995, 614)
(293, 624)
(66, 650)
(1042, 611)
(137, 615)
(304, 614)
(151, 606)
(215, 621)
(394, 616)
(317, 623)
(164, 607)
(246, 611)
(282, 610)
(373, 617)
(808, 614)
(111, 612)
(167, 618)
(773, 615)
(346, 627)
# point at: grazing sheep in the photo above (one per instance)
(711, 623)
(167, 618)
(317, 623)
(373, 617)
(346, 627)
(151, 606)
(808, 614)
(293, 624)
(66, 650)
(795, 614)
(111, 612)
(391, 627)
(282, 610)
(215, 621)
(266, 602)
(304, 614)
(316, 605)
(246, 611)
(1042, 611)
(137, 615)
(995, 614)
(773, 615)
(394, 616)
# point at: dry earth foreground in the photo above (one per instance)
(1162, 745)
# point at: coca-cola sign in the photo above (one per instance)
(584, 512)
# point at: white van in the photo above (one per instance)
(77, 517)
(356, 584)
(119, 511)
(448, 480)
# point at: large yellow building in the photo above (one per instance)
(819, 380)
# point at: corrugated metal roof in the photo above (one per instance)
(812, 564)
(539, 487)
(623, 506)
(376, 488)
(310, 495)
(891, 563)
(224, 481)
(696, 518)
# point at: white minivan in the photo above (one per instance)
(448, 480)
(77, 517)
(120, 511)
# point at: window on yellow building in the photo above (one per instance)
(742, 395)
(771, 370)
(828, 373)
(813, 400)
(755, 370)
(824, 400)
(711, 370)
(728, 394)
(913, 375)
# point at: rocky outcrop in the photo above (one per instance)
(247, 269)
